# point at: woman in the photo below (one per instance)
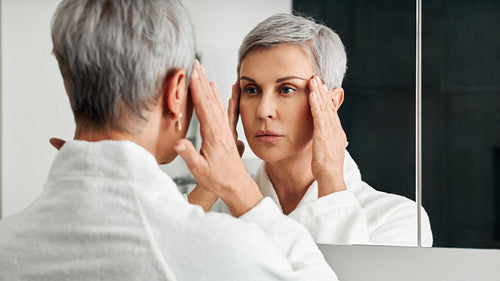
(290, 72)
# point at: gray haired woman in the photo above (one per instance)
(290, 72)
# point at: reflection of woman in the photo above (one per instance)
(290, 120)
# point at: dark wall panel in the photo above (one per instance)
(461, 106)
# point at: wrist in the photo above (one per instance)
(240, 199)
(329, 184)
(202, 197)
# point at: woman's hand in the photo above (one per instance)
(329, 139)
(57, 143)
(218, 167)
(233, 115)
(200, 195)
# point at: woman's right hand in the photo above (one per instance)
(218, 167)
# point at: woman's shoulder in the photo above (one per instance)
(376, 201)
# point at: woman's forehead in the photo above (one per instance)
(278, 61)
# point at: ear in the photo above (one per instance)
(337, 96)
(174, 92)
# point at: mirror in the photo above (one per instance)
(461, 150)
(379, 84)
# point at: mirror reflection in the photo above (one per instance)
(301, 168)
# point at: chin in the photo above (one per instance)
(165, 159)
(268, 154)
(277, 153)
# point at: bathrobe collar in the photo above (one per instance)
(110, 160)
(352, 176)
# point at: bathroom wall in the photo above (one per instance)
(34, 104)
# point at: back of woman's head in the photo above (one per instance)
(321, 43)
(115, 54)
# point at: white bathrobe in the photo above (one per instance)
(107, 212)
(359, 215)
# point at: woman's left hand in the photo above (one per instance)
(329, 139)
(233, 115)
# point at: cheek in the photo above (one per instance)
(300, 118)
(247, 114)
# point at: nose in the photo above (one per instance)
(267, 107)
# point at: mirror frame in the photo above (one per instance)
(418, 121)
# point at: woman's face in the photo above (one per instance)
(274, 103)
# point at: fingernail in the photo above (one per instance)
(202, 68)
(314, 81)
(194, 73)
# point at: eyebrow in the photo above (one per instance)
(289, 78)
(248, 79)
(277, 80)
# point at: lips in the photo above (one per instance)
(267, 136)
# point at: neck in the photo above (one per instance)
(143, 139)
(291, 178)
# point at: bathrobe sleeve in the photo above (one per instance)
(262, 244)
(336, 218)
(398, 226)
(304, 257)
(371, 217)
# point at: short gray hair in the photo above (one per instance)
(321, 43)
(114, 56)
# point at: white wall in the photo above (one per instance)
(34, 105)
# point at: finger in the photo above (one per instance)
(322, 119)
(323, 94)
(315, 107)
(57, 143)
(215, 92)
(206, 106)
(316, 99)
(233, 112)
(314, 86)
(241, 147)
(235, 94)
(201, 92)
(194, 161)
(231, 117)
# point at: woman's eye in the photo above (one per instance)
(287, 90)
(251, 90)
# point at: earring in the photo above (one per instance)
(178, 123)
